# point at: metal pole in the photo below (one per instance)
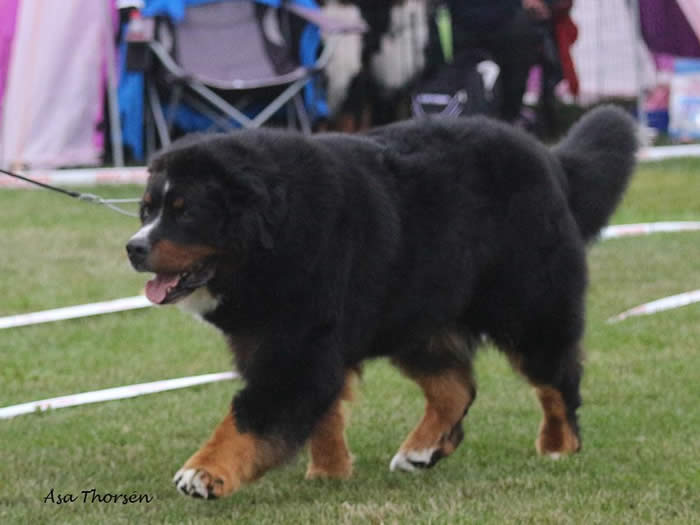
(639, 66)
(114, 121)
(158, 116)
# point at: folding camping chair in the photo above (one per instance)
(222, 56)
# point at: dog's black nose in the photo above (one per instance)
(137, 249)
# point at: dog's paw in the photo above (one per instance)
(198, 483)
(411, 460)
(412, 457)
(557, 440)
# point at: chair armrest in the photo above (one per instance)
(328, 25)
(140, 30)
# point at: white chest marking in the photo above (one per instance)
(199, 303)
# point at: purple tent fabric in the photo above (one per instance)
(8, 15)
(666, 29)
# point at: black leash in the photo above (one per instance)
(87, 197)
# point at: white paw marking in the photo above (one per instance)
(407, 460)
(400, 462)
(555, 455)
(188, 482)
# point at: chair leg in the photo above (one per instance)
(304, 121)
(220, 121)
(149, 130)
(291, 117)
(173, 103)
(278, 103)
(158, 116)
(223, 106)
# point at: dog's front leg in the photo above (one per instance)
(291, 385)
(226, 461)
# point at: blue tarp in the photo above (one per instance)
(175, 9)
(131, 94)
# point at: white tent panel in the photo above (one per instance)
(605, 52)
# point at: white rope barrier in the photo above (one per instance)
(658, 153)
(80, 177)
(111, 394)
(667, 303)
(628, 230)
(74, 312)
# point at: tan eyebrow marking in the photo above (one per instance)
(178, 203)
(147, 198)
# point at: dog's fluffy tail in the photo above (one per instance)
(598, 156)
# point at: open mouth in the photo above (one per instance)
(167, 288)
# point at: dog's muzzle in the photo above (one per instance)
(138, 250)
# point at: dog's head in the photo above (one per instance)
(207, 203)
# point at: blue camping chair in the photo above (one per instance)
(225, 64)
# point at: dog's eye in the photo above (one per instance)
(185, 215)
(145, 212)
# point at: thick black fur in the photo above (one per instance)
(334, 249)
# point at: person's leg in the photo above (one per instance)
(515, 47)
(551, 76)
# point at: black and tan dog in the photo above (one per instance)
(412, 242)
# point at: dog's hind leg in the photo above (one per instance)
(449, 390)
(559, 433)
(556, 383)
(328, 450)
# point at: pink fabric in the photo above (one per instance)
(8, 14)
(54, 87)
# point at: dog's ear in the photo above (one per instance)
(265, 209)
(272, 215)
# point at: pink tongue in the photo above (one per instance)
(157, 288)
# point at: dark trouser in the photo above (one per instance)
(514, 46)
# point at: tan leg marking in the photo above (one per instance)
(330, 457)
(438, 434)
(225, 462)
(556, 437)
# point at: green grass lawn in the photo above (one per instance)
(641, 419)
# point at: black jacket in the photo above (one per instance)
(481, 15)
